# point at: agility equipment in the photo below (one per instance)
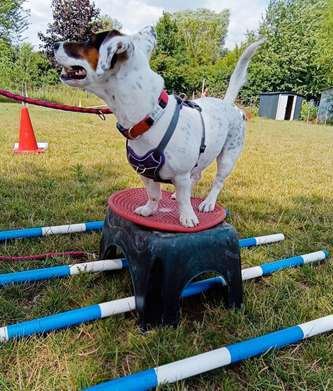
(27, 140)
(123, 203)
(161, 264)
(170, 253)
(62, 271)
(260, 240)
(229, 354)
(103, 310)
(97, 225)
(52, 230)
(93, 266)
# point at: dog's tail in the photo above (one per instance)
(239, 76)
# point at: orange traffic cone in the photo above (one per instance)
(27, 141)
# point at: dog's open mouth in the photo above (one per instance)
(75, 72)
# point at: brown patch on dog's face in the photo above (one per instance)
(89, 50)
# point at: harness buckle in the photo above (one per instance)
(202, 148)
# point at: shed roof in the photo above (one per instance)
(282, 93)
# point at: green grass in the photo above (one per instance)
(282, 183)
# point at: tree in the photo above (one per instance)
(189, 43)
(202, 33)
(6, 63)
(325, 41)
(32, 69)
(289, 59)
(105, 22)
(22, 66)
(73, 20)
(13, 20)
(167, 35)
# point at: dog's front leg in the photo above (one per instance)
(187, 217)
(154, 195)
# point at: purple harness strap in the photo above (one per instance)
(150, 164)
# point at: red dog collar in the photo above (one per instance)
(149, 120)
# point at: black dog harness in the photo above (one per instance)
(150, 164)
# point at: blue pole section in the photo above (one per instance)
(54, 322)
(52, 230)
(35, 275)
(20, 233)
(98, 311)
(62, 271)
(94, 225)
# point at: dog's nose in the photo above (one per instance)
(56, 46)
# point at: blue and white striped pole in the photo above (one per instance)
(103, 310)
(97, 225)
(100, 266)
(49, 273)
(259, 240)
(53, 230)
(230, 354)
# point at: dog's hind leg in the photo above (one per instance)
(154, 195)
(225, 163)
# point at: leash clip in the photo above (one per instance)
(101, 115)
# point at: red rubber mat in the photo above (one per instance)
(123, 203)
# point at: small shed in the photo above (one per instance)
(280, 105)
(325, 112)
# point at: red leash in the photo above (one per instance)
(50, 105)
(38, 257)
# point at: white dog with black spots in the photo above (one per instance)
(116, 68)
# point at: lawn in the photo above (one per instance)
(282, 183)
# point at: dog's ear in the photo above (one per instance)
(115, 46)
(96, 40)
(147, 39)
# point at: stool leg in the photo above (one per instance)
(233, 294)
(146, 280)
(107, 250)
(232, 275)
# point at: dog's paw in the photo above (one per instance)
(207, 205)
(189, 219)
(144, 210)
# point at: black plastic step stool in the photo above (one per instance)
(161, 264)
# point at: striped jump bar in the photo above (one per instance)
(98, 225)
(53, 230)
(49, 273)
(114, 307)
(100, 266)
(230, 354)
(259, 240)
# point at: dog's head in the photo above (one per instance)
(92, 62)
